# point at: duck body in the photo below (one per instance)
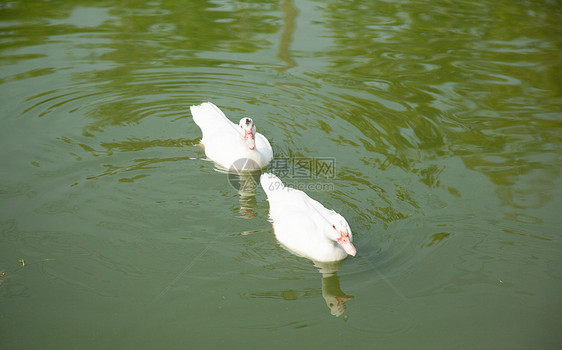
(304, 226)
(233, 147)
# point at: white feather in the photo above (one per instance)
(224, 141)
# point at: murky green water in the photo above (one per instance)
(443, 118)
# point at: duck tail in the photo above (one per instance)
(207, 114)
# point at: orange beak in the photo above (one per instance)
(346, 244)
(249, 138)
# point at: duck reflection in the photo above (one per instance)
(331, 291)
(245, 183)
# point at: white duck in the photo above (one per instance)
(231, 146)
(304, 226)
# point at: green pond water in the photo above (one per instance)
(440, 122)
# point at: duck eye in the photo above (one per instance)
(334, 227)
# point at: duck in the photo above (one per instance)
(304, 226)
(232, 147)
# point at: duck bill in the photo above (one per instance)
(346, 244)
(250, 141)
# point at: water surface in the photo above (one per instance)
(443, 120)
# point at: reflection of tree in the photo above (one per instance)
(199, 25)
(132, 40)
(193, 28)
(290, 13)
(461, 80)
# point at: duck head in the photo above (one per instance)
(341, 233)
(248, 128)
